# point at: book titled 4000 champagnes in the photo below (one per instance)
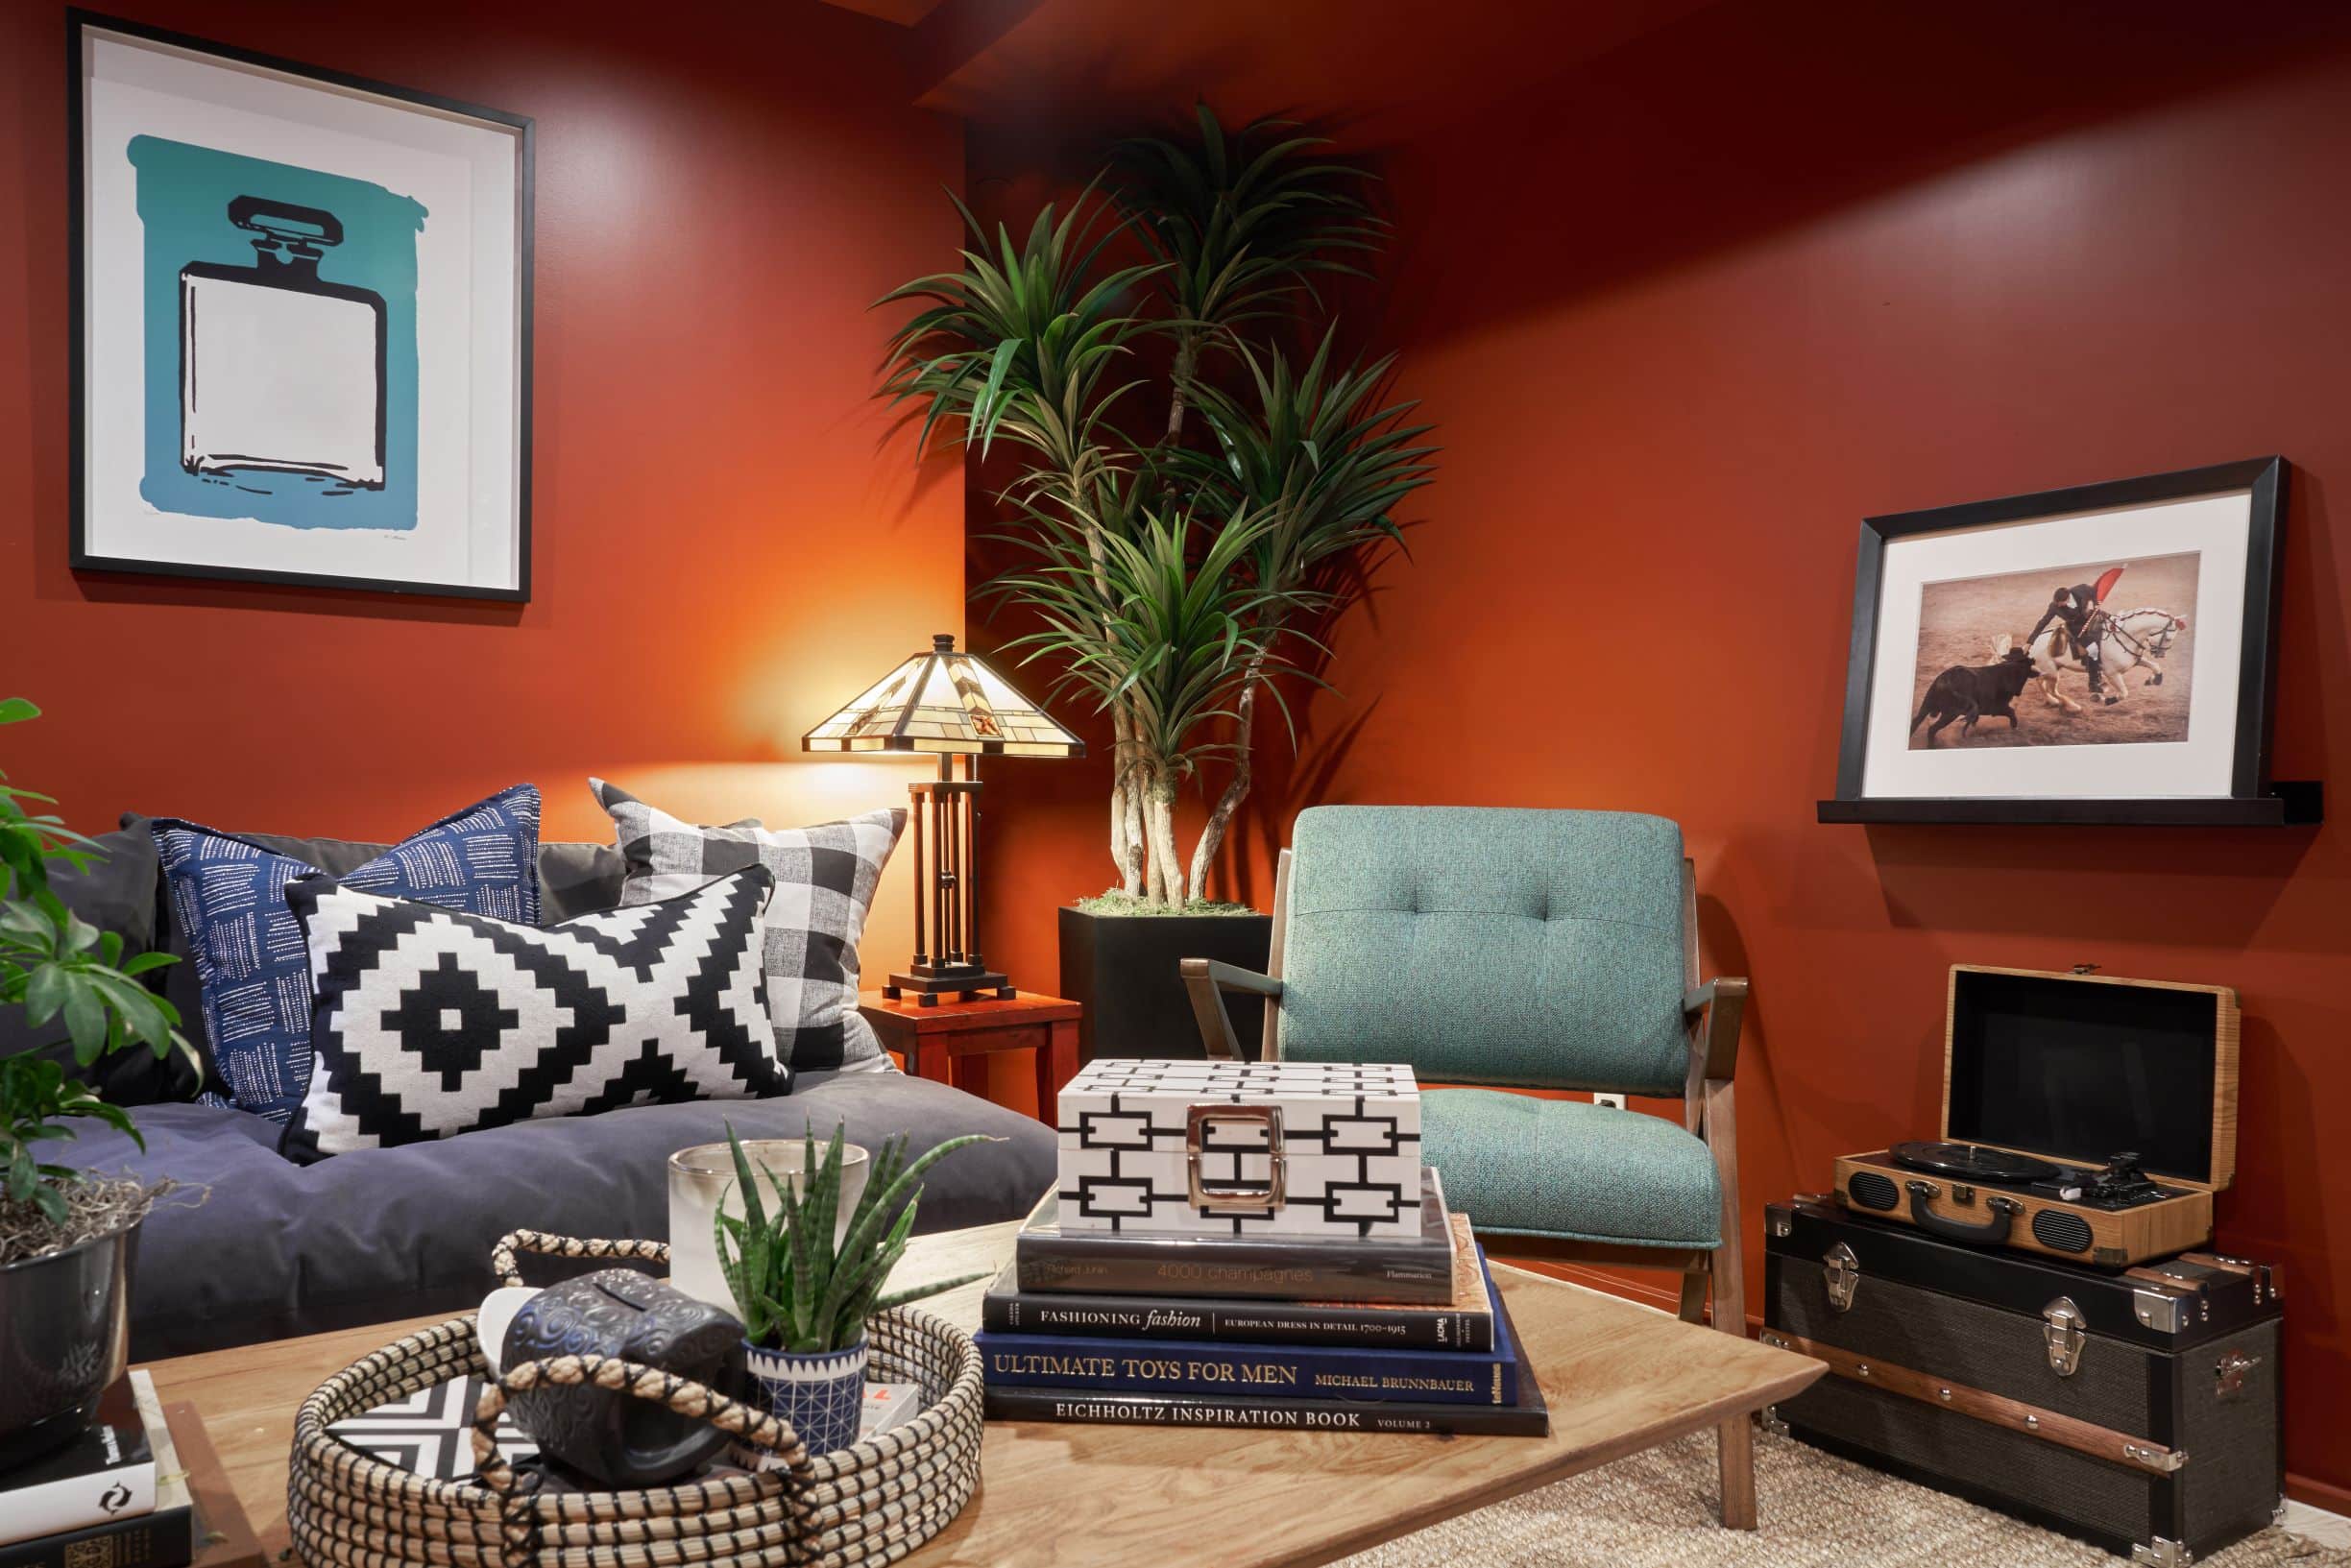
(1248, 1265)
(1466, 1322)
(1201, 1366)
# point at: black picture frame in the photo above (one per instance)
(2254, 799)
(79, 22)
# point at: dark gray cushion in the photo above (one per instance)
(116, 892)
(573, 879)
(274, 1248)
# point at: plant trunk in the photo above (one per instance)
(1127, 847)
(1237, 789)
(1166, 868)
(1187, 364)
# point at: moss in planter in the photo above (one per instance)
(92, 1209)
(1118, 902)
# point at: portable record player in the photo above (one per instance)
(2083, 1117)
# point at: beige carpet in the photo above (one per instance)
(1656, 1510)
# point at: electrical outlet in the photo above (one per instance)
(1614, 1102)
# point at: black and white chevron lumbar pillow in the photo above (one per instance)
(426, 1022)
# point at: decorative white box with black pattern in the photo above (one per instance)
(1325, 1150)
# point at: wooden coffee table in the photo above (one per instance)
(1619, 1378)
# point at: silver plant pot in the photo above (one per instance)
(64, 1337)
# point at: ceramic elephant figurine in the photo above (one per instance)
(611, 1436)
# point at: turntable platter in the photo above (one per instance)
(1971, 1162)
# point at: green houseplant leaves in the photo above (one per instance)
(1176, 577)
(56, 965)
(795, 1289)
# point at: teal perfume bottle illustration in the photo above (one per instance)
(280, 370)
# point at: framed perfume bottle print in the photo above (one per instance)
(302, 322)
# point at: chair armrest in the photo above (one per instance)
(1715, 1042)
(1207, 979)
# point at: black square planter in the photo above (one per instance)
(1124, 968)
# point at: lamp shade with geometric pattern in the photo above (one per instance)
(944, 702)
(950, 705)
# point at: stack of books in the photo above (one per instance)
(1152, 1329)
(115, 1496)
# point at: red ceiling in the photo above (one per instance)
(1370, 70)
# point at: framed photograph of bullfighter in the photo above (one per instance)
(2098, 653)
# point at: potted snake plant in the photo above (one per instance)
(803, 1297)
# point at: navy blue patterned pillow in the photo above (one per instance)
(227, 896)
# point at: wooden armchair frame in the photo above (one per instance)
(1711, 1012)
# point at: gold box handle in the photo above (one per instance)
(1244, 1199)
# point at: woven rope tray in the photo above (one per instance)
(869, 1503)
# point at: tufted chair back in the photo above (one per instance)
(1527, 948)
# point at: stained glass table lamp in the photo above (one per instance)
(951, 705)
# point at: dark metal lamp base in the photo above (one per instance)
(965, 982)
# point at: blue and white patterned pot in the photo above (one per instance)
(822, 1394)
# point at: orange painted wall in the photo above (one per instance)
(1683, 318)
(728, 539)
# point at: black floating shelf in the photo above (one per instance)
(2295, 803)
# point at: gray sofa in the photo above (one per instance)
(257, 1247)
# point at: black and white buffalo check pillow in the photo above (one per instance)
(825, 878)
(427, 1021)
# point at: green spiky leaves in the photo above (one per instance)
(796, 1289)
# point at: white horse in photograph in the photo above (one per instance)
(2129, 640)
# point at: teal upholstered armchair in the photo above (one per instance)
(1524, 950)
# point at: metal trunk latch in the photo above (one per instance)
(1236, 1200)
(2061, 1328)
(2229, 1373)
(1841, 1270)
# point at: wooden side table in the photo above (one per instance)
(936, 1040)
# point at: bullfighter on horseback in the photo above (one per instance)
(2082, 610)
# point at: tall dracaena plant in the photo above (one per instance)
(1178, 608)
(1169, 626)
(1242, 221)
(1025, 343)
(1313, 454)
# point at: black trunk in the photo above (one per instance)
(2180, 1355)
(1123, 969)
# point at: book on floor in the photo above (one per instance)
(1103, 1365)
(1463, 1323)
(1528, 1416)
(129, 1522)
(1048, 1258)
